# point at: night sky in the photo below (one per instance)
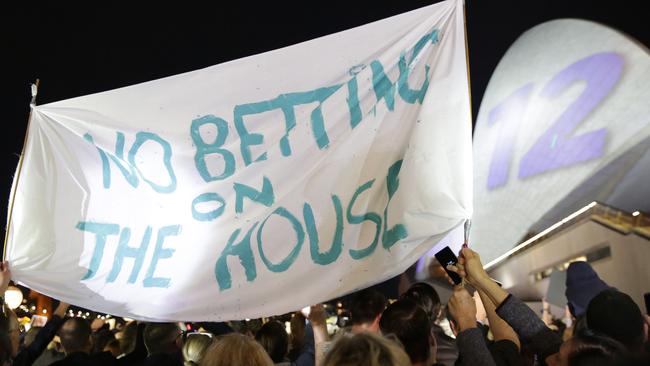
(78, 50)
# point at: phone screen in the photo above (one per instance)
(446, 257)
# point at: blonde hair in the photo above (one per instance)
(366, 349)
(195, 347)
(236, 349)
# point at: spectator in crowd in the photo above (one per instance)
(582, 285)
(132, 344)
(427, 297)
(365, 349)
(113, 347)
(164, 344)
(194, 348)
(100, 339)
(75, 334)
(616, 315)
(411, 325)
(236, 349)
(366, 309)
(10, 329)
(546, 344)
(273, 337)
(128, 337)
(298, 325)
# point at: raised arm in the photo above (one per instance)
(472, 349)
(528, 326)
(500, 329)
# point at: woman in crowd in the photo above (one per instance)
(194, 348)
(365, 349)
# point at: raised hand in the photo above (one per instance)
(462, 308)
(469, 267)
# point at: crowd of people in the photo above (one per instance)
(604, 327)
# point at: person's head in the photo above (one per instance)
(616, 315)
(113, 347)
(275, 340)
(195, 347)
(589, 349)
(162, 338)
(365, 349)
(410, 323)
(236, 349)
(128, 337)
(75, 336)
(582, 285)
(426, 296)
(9, 334)
(100, 339)
(366, 309)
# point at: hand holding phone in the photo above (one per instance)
(446, 257)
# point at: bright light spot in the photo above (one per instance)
(13, 297)
(44, 311)
(635, 213)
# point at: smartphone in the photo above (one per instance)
(446, 257)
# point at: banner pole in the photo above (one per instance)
(32, 104)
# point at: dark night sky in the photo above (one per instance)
(77, 50)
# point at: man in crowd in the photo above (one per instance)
(75, 336)
(366, 309)
(164, 344)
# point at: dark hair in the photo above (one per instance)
(101, 338)
(75, 335)
(410, 323)
(616, 315)
(275, 340)
(593, 349)
(366, 306)
(426, 296)
(160, 337)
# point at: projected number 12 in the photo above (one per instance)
(557, 147)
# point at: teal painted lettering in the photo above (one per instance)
(334, 252)
(140, 139)
(300, 239)
(397, 232)
(129, 174)
(358, 219)
(265, 196)
(101, 231)
(158, 254)
(210, 215)
(203, 148)
(410, 95)
(286, 103)
(124, 251)
(353, 102)
(381, 84)
(243, 251)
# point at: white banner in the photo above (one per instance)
(254, 187)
